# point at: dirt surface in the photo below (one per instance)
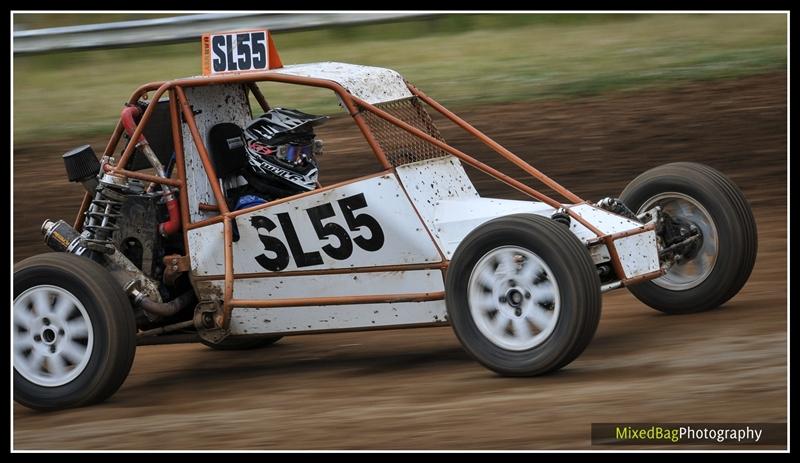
(416, 389)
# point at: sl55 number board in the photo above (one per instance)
(235, 52)
(362, 224)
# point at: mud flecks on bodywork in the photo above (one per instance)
(343, 317)
(371, 84)
(368, 283)
(638, 254)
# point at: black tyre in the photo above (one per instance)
(523, 295)
(242, 342)
(74, 332)
(719, 267)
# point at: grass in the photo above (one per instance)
(461, 60)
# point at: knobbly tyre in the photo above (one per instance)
(200, 217)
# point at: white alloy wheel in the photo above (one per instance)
(693, 270)
(513, 298)
(53, 336)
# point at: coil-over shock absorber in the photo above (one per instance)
(99, 226)
(101, 218)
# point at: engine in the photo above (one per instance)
(129, 227)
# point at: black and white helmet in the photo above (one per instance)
(281, 150)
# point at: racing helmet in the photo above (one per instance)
(281, 150)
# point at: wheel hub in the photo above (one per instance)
(514, 297)
(48, 336)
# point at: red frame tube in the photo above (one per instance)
(128, 117)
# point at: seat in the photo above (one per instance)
(228, 155)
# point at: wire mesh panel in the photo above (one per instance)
(400, 146)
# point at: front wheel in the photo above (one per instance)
(523, 295)
(74, 333)
(718, 266)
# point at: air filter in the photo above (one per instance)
(81, 163)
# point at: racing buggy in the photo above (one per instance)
(201, 217)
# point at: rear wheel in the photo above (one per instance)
(523, 295)
(716, 268)
(74, 333)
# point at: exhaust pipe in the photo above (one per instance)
(161, 309)
(61, 237)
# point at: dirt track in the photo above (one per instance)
(411, 389)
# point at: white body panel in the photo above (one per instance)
(406, 240)
(605, 221)
(371, 84)
(362, 284)
(455, 219)
(293, 320)
(638, 253)
(429, 183)
(451, 207)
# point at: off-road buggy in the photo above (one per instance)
(157, 251)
